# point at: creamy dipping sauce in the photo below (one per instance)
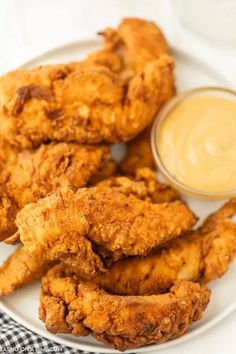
(197, 143)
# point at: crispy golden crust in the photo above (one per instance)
(20, 269)
(37, 172)
(139, 154)
(77, 227)
(107, 170)
(144, 185)
(138, 42)
(201, 255)
(70, 306)
(8, 210)
(101, 99)
(51, 166)
(139, 149)
(8, 156)
(138, 51)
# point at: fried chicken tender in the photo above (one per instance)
(137, 52)
(201, 255)
(136, 41)
(68, 305)
(144, 185)
(100, 222)
(19, 269)
(111, 96)
(37, 172)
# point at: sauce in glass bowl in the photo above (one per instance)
(194, 142)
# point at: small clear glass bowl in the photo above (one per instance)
(156, 130)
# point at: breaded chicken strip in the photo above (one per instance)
(35, 173)
(137, 52)
(68, 305)
(136, 41)
(19, 269)
(80, 227)
(201, 255)
(111, 96)
(144, 186)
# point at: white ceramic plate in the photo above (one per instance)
(23, 305)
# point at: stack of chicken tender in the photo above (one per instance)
(114, 247)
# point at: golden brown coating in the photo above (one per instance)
(20, 269)
(8, 211)
(79, 227)
(52, 166)
(137, 51)
(139, 154)
(144, 185)
(79, 308)
(136, 41)
(8, 208)
(35, 173)
(201, 255)
(108, 169)
(111, 96)
(8, 155)
(139, 149)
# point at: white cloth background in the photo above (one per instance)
(28, 27)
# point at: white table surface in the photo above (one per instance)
(28, 27)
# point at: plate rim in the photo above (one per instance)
(153, 347)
